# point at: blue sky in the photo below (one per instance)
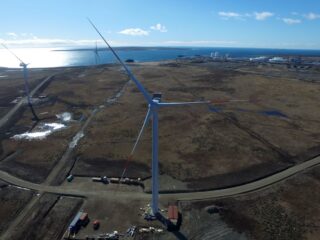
(223, 23)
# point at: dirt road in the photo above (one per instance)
(74, 190)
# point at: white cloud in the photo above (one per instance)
(159, 27)
(312, 16)
(27, 35)
(291, 21)
(239, 16)
(35, 41)
(227, 15)
(52, 43)
(262, 15)
(12, 34)
(134, 32)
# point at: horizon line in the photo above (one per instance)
(77, 47)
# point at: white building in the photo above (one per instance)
(278, 60)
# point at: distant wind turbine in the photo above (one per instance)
(154, 103)
(96, 53)
(26, 82)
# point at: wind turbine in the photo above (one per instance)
(96, 53)
(154, 103)
(26, 82)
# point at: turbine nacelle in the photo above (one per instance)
(156, 97)
(22, 64)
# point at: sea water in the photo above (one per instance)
(66, 57)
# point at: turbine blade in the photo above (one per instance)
(130, 74)
(199, 102)
(238, 100)
(141, 131)
(170, 104)
(224, 101)
(13, 54)
(136, 143)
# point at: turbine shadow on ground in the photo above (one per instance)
(174, 229)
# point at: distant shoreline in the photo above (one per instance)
(121, 49)
(138, 48)
(82, 57)
(195, 60)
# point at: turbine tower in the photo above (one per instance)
(96, 53)
(154, 104)
(26, 82)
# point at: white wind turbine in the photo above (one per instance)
(154, 103)
(96, 54)
(26, 82)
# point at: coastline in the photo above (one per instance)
(57, 58)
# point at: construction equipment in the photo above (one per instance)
(96, 224)
(84, 219)
(70, 178)
(103, 179)
(131, 231)
(150, 229)
(80, 220)
(75, 225)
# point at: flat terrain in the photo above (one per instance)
(12, 85)
(208, 146)
(48, 218)
(12, 201)
(286, 211)
(274, 126)
(203, 147)
(33, 160)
